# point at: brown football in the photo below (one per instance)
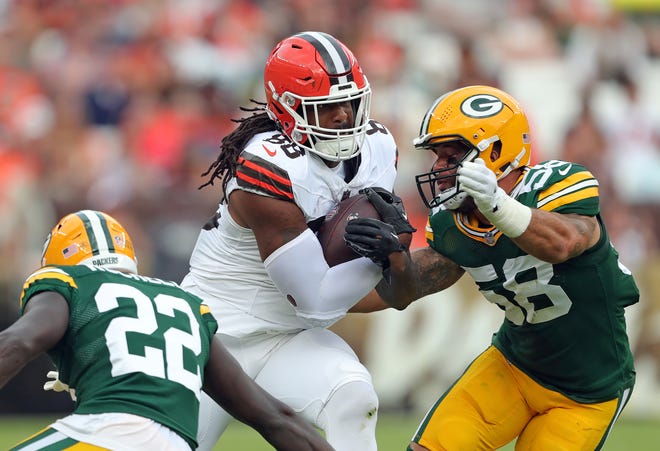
(331, 232)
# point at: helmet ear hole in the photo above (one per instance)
(495, 154)
(497, 151)
(277, 107)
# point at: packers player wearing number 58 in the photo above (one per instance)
(559, 370)
(134, 352)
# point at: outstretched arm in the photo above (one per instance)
(399, 285)
(556, 237)
(406, 277)
(434, 271)
(549, 236)
(42, 325)
(226, 382)
(425, 272)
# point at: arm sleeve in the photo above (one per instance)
(320, 294)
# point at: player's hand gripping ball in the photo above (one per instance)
(331, 232)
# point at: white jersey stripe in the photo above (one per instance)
(568, 190)
(97, 230)
(336, 58)
(44, 442)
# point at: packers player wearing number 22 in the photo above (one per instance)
(559, 370)
(134, 352)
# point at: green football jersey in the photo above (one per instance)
(564, 323)
(134, 344)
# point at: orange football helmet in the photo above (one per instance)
(90, 238)
(303, 73)
(488, 121)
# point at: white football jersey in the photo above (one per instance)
(226, 269)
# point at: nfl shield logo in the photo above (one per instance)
(119, 241)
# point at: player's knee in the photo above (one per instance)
(354, 400)
(352, 405)
(349, 417)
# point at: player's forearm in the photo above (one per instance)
(399, 287)
(319, 293)
(14, 354)
(372, 302)
(434, 271)
(555, 237)
(295, 435)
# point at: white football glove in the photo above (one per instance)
(503, 211)
(57, 385)
(480, 183)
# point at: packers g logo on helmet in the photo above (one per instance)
(481, 105)
(91, 238)
(488, 122)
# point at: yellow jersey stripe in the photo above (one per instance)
(570, 198)
(567, 189)
(46, 273)
(80, 446)
(428, 230)
(565, 183)
(486, 235)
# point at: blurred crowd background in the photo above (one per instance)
(120, 105)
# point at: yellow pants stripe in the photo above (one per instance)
(49, 439)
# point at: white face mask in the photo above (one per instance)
(329, 143)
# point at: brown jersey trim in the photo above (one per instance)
(258, 175)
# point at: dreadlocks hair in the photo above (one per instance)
(224, 167)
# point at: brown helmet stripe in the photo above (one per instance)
(334, 56)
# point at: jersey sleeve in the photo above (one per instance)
(562, 187)
(208, 319)
(260, 176)
(48, 278)
(383, 156)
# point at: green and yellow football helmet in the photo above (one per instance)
(90, 238)
(488, 121)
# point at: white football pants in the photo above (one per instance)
(313, 371)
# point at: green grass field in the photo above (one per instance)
(393, 434)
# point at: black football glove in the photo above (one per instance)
(373, 239)
(390, 208)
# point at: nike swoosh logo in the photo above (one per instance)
(268, 151)
(565, 170)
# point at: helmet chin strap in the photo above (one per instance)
(456, 197)
(485, 143)
(454, 202)
(338, 149)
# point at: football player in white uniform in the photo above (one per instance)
(258, 264)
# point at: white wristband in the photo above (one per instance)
(509, 215)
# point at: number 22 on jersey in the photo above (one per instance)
(166, 363)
